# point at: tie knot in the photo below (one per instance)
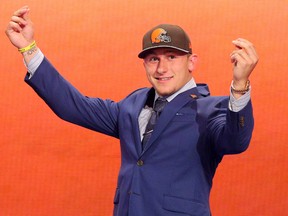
(160, 103)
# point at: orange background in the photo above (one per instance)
(50, 167)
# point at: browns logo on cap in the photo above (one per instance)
(160, 35)
(165, 35)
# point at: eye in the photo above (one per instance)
(171, 57)
(152, 59)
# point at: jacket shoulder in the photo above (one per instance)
(203, 89)
(139, 91)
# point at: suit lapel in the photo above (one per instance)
(140, 102)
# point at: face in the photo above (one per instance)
(168, 69)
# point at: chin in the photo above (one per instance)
(165, 93)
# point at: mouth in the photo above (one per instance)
(164, 78)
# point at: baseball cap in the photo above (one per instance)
(165, 36)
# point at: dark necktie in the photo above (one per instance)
(158, 107)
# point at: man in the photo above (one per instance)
(172, 136)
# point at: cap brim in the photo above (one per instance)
(146, 51)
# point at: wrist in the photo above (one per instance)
(28, 51)
(28, 47)
(240, 88)
(239, 84)
(28, 55)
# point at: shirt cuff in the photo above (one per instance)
(237, 105)
(35, 62)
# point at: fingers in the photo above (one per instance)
(19, 19)
(14, 27)
(244, 58)
(240, 56)
(20, 29)
(21, 11)
(245, 49)
(21, 16)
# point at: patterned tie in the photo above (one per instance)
(160, 103)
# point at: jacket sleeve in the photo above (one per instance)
(230, 132)
(70, 105)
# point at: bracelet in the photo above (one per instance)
(240, 91)
(27, 48)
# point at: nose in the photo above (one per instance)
(162, 66)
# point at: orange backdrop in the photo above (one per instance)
(50, 167)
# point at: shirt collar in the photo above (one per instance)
(189, 85)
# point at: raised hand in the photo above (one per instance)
(244, 59)
(20, 29)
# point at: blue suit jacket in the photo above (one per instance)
(173, 175)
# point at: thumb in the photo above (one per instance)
(26, 15)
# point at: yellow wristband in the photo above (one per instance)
(29, 47)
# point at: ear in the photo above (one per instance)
(192, 62)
